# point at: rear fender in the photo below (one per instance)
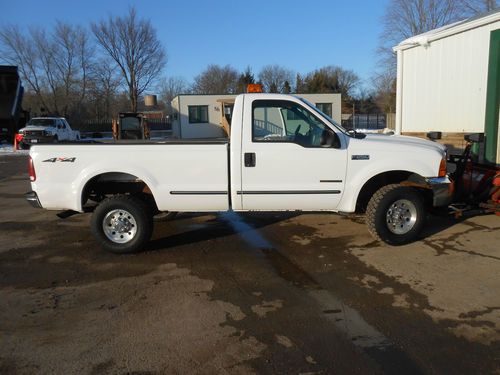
(87, 175)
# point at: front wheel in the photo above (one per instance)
(122, 224)
(396, 214)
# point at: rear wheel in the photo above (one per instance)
(122, 224)
(396, 214)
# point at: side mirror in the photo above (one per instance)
(59, 126)
(434, 136)
(329, 139)
(474, 137)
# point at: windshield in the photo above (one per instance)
(41, 122)
(328, 118)
(130, 123)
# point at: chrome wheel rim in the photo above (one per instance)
(401, 216)
(119, 226)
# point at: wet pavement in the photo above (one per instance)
(274, 293)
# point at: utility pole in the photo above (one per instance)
(353, 113)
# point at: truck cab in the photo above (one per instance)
(288, 151)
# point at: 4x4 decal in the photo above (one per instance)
(62, 160)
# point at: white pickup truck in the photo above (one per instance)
(47, 130)
(284, 154)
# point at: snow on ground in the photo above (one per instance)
(8, 149)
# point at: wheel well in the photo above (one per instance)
(112, 183)
(375, 183)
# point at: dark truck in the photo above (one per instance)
(12, 117)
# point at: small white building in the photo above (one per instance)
(201, 116)
(448, 80)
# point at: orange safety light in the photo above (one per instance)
(17, 140)
(254, 87)
(442, 168)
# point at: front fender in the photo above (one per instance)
(359, 175)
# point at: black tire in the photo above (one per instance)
(396, 214)
(55, 139)
(138, 219)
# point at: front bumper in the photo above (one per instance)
(32, 199)
(34, 139)
(442, 190)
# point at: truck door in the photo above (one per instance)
(292, 160)
(62, 131)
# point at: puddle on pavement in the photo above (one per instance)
(344, 318)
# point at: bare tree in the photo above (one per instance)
(347, 79)
(74, 62)
(55, 65)
(170, 87)
(330, 79)
(216, 79)
(45, 48)
(18, 49)
(300, 85)
(104, 85)
(406, 18)
(274, 77)
(473, 7)
(385, 91)
(133, 45)
(245, 79)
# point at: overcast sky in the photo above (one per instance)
(300, 35)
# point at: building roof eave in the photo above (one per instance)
(426, 38)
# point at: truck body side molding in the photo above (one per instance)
(262, 192)
(199, 192)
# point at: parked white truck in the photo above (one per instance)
(283, 154)
(47, 130)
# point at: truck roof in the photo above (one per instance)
(8, 69)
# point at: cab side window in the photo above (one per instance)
(284, 121)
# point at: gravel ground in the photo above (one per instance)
(238, 294)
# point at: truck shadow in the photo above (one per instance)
(173, 233)
(437, 223)
(189, 229)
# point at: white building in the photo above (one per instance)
(201, 116)
(449, 81)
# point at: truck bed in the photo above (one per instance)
(180, 174)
